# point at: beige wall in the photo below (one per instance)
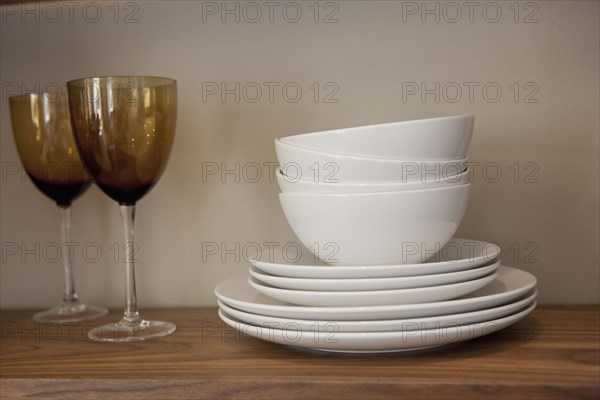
(371, 57)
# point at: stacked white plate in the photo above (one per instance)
(461, 293)
(380, 204)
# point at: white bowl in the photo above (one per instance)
(317, 166)
(445, 138)
(376, 228)
(290, 185)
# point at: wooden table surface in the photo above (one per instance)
(553, 353)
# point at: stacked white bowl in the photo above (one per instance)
(373, 192)
(376, 208)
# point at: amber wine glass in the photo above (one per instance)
(42, 132)
(124, 128)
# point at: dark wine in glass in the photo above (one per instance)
(64, 193)
(44, 139)
(124, 129)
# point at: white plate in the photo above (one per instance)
(375, 342)
(403, 282)
(295, 261)
(381, 325)
(511, 284)
(373, 297)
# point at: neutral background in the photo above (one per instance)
(540, 132)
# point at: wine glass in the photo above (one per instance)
(124, 128)
(44, 140)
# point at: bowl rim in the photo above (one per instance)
(380, 125)
(413, 192)
(376, 184)
(340, 156)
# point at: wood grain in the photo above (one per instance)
(553, 353)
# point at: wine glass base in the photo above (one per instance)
(131, 331)
(69, 313)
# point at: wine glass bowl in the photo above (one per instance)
(42, 133)
(124, 128)
(44, 140)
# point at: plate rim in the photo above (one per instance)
(380, 337)
(375, 297)
(516, 305)
(406, 310)
(396, 270)
(258, 274)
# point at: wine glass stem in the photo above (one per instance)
(69, 295)
(128, 216)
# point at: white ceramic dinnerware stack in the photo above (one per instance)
(375, 209)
